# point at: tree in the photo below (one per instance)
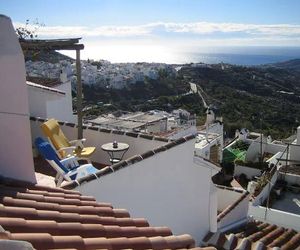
(29, 31)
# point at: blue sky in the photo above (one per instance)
(113, 26)
(117, 12)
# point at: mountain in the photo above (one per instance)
(46, 56)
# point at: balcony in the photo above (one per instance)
(96, 136)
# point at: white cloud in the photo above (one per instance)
(254, 29)
(82, 31)
(196, 33)
(196, 28)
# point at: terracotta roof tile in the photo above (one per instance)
(40, 86)
(255, 235)
(159, 138)
(283, 238)
(47, 82)
(56, 198)
(147, 154)
(59, 219)
(147, 136)
(293, 243)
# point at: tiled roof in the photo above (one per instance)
(35, 85)
(255, 235)
(47, 82)
(54, 218)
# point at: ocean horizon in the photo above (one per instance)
(239, 59)
(246, 56)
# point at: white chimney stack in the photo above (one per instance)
(15, 148)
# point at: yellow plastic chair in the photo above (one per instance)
(63, 146)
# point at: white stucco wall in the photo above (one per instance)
(255, 148)
(43, 103)
(167, 189)
(204, 151)
(273, 148)
(62, 109)
(259, 199)
(15, 148)
(38, 99)
(237, 215)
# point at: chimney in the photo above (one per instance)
(63, 76)
(15, 147)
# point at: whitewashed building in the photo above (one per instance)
(54, 101)
(209, 142)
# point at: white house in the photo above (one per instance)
(54, 101)
(209, 141)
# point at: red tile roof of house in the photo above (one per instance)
(38, 86)
(255, 235)
(54, 218)
(47, 82)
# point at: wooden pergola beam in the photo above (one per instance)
(49, 42)
(36, 46)
(62, 44)
(52, 44)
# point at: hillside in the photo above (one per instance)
(264, 97)
(288, 65)
(246, 95)
(46, 56)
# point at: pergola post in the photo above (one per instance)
(79, 95)
(62, 44)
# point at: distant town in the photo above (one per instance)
(101, 73)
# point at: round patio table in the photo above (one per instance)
(115, 150)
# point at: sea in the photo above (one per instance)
(247, 56)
